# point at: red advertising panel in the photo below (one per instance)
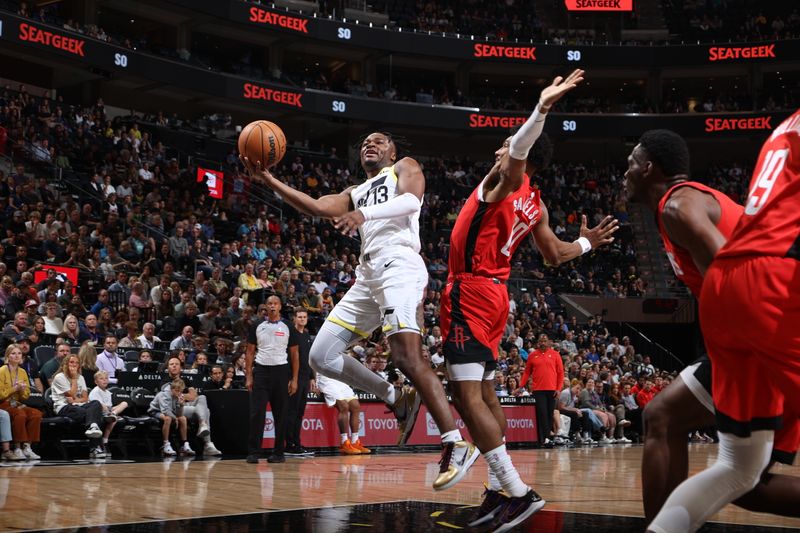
(599, 5)
(379, 428)
(214, 180)
(63, 273)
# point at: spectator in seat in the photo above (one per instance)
(102, 303)
(131, 340)
(632, 410)
(148, 338)
(218, 379)
(52, 367)
(88, 357)
(111, 412)
(138, 297)
(580, 425)
(108, 360)
(190, 318)
(646, 395)
(71, 333)
(589, 399)
(18, 327)
(184, 340)
(91, 330)
(15, 388)
(71, 399)
(29, 364)
(195, 406)
(53, 325)
(144, 357)
(168, 407)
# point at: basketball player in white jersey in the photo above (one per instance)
(391, 279)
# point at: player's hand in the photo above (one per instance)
(257, 171)
(601, 234)
(292, 387)
(560, 86)
(248, 382)
(349, 222)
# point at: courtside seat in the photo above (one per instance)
(60, 431)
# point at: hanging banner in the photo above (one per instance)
(214, 180)
(599, 5)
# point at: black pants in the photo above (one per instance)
(88, 413)
(580, 425)
(545, 404)
(294, 415)
(270, 384)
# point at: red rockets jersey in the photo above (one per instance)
(770, 225)
(486, 235)
(680, 259)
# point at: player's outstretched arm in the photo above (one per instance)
(687, 219)
(555, 251)
(512, 168)
(329, 206)
(410, 189)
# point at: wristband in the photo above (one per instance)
(585, 244)
(543, 108)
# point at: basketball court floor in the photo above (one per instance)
(596, 489)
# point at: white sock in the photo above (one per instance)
(344, 437)
(494, 483)
(105, 440)
(500, 463)
(353, 437)
(451, 436)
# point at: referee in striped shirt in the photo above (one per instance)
(271, 344)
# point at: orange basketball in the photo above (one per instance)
(263, 141)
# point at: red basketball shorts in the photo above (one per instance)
(750, 316)
(472, 317)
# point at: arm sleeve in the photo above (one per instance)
(399, 206)
(523, 140)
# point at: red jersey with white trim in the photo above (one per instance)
(486, 234)
(770, 225)
(680, 259)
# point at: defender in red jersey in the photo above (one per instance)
(694, 221)
(750, 315)
(503, 209)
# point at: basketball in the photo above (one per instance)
(263, 141)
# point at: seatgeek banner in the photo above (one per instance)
(17, 32)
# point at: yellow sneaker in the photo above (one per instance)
(361, 449)
(456, 459)
(347, 448)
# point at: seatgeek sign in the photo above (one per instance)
(599, 5)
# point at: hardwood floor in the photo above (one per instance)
(598, 480)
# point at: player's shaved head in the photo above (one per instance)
(667, 151)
